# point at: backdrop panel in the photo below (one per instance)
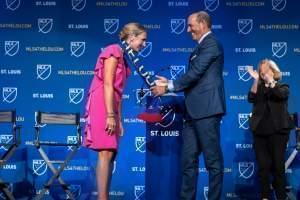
(48, 49)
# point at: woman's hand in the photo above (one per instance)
(269, 78)
(253, 73)
(110, 126)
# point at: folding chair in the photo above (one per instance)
(9, 142)
(292, 156)
(296, 118)
(72, 119)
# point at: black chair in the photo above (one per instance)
(9, 142)
(297, 124)
(296, 119)
(70, 119)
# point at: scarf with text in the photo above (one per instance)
(133, 57)
(152, 114)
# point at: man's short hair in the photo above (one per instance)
(203, 16)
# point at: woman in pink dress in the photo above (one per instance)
(103, 109)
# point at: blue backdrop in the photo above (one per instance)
(48, 50)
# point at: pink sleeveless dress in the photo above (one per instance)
(95, 136)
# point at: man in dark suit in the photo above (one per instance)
(203, 88)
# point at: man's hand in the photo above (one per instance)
(161, 81)
(161, 86)
(158, 90)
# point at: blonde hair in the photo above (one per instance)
(132, 28)
(273, 66)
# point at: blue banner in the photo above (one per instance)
(48, 51)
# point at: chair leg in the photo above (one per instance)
(5, 190)
(3, 160)
(56, 174)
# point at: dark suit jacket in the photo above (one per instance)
(277, 102)
(203, 83)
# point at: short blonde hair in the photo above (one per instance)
(273, 66)
(132, 28)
